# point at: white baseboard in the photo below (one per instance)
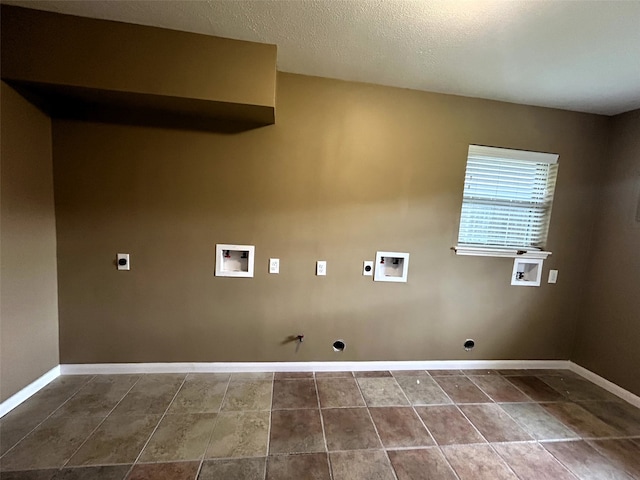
(191, 367)
(34, 387)
(611, 387)
(225, 367)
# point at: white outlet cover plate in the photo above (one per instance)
(365, 272)
(274, 265)
(321, 268)
(553, 276)
(125, 256)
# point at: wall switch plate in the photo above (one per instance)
(553, 276)
(367, 269)
(123, 261)
(274, 265)
(321, 267)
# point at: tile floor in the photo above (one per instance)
(472, 424)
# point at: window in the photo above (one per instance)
(507, 201)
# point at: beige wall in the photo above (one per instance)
(609, 328)
(347, 170)
(29, 303)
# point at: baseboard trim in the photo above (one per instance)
(191, 367)
(611, 387)
(227, 367)
(34, 387)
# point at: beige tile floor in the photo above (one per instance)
(458, 425)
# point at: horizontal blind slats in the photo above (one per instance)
(506, 202)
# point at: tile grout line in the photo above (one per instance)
(159, 422)
(75, 392)
(99, 424)
(384, 449)
(435, 442)
(437, 445)
(324, 434)
(266, 459)
(213, 427)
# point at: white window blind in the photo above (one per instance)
(507, 199)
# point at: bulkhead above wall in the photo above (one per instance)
(82, 68)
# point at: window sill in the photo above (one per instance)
(499, 252)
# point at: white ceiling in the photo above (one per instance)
(574, 55)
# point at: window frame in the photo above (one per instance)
(497, 250)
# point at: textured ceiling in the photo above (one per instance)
(575, 55)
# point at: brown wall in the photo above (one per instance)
(347, 170)
(29, 303)
(609, 327)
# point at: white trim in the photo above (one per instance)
(510, 154)
(499, 252)
(34, 387)
(611, 387)
(188, 367)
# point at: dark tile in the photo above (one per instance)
(514, 372)
(444, 373)
(494, 424)
(28, 475)
(480, 372)
(361, 465)
(239, 434)
(118, 440)
(98, 397)
(164, 471)
(151, 395)
(426, 463)
(25, 417)
(462, 390)
(537, 422)
(536, 389)
(251, 376)
(240, 469)
(477, 462)
(308, 466)
(248, 395)
(339, 392)
(54, 440)
(579, 390)
(584, 461)
(409, 373)
(13, 430)
(422, 390)
(579, 420)
(294, 394)
(200, 393)
(448, 425)
(372, 374)
(532, 462)
(620, 415)
(499, 389)
(400, 427)
(334, 375)
(296, 431)
(109, 472)
(623, 453)
(179, 437)
(382, 392)
(349, 429)
(291, 375)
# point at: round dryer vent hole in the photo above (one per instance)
(469, 344)
(338, 346)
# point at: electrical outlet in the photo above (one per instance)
(122, 261)
(321, 267)
(367, 269)
(274, 265)
(553, 276)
